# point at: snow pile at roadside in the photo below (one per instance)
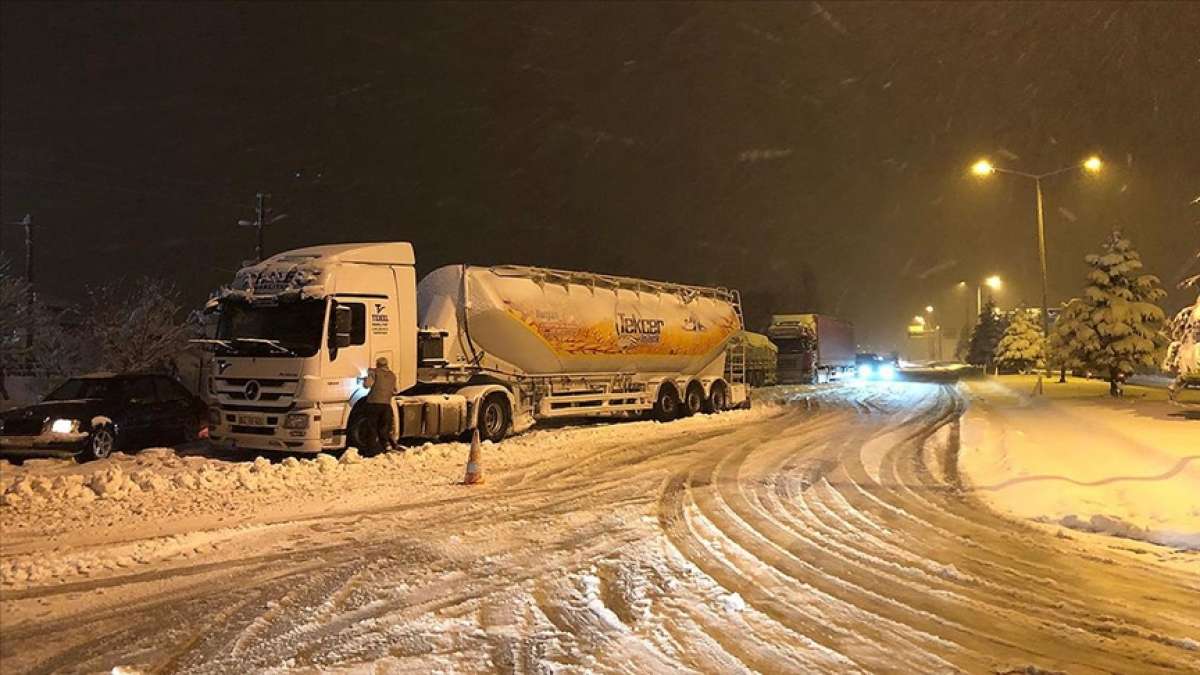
(152, 493)
(1121, 468)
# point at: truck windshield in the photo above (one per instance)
(286, 329)
(793, 345)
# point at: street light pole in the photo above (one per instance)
(1041, 224)
(985, 168)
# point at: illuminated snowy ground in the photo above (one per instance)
(830, 533)
(1076, 457)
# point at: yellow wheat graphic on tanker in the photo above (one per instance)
(644, 336)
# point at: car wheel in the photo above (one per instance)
(100, 444)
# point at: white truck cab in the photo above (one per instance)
(296, 335)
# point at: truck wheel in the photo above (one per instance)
(666, 408)
(360, 433)
(718, 399)
(494, 418)
(693, 400)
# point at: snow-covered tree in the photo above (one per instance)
(1065, 346)
(985, 336)
(1183, 354)
(138, 326)
(34, 339)
(1021, 346)
(1124, 320)
(963, 346)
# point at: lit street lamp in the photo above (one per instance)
(993, 282)
(984, 168)
(936, 351)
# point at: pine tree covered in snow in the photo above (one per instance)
(1064, 348)
(1021, 346)
(986, 335)
(1183, 354)
(1123, 325)
(963, 346)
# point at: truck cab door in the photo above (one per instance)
(381, 329)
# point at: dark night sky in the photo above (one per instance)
(812, 155)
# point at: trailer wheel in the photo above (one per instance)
(693, 399)
(718, 399)
(666, 408)
(494, 418)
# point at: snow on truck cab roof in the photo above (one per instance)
(306, 273)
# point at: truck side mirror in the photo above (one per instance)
(340, 327)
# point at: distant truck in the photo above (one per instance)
(813, 348)
(473, 348)
(761, 357)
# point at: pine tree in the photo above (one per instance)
(1126, 324)
(1183, 354)
(963, 346)
(1065, 345)
(1022, 346)
(985, 336)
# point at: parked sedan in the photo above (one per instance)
(94, 415)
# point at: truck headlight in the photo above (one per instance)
(887, 372)
(63, 426)
(296, 421)
(864, 371)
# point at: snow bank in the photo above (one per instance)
(153, 493)
(1125, 468)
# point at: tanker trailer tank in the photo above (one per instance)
(553, 333)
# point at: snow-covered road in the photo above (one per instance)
(829, 533)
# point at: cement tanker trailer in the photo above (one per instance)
(491, 349)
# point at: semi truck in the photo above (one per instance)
(813, 348)
(487, 349)
(761, 357)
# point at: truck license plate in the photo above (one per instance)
(252, 420)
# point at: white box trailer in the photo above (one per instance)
(487, 348)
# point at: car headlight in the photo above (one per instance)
(64, 426)
(887, 371)
(864, 371)
(296, 421)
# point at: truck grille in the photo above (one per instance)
(265, 394)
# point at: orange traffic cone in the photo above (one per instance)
(474, 464)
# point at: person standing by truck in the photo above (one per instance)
(382, 384)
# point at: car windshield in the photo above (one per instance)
(294, 326)
(78, 388)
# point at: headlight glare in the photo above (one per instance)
(864, 371)
(63, 426)
(887, 371)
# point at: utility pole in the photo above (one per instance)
(27, 223)
(260, 222)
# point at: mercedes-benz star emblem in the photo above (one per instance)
(252, 390)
